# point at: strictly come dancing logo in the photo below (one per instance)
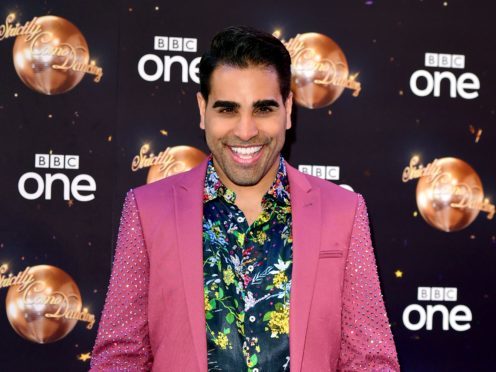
(43, 303)
(319, 70)
(172, 160)
(51, 56)
(449, 193)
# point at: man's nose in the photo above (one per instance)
(246, 128)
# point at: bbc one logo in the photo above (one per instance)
(447, 81)
(33, 185)
(153, 67)
(326, 172)
(438, 316)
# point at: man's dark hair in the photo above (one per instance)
(242, 46)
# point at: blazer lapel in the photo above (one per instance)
(306, 213)
(188, 196)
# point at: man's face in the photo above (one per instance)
(245, 120)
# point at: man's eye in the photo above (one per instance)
(264, 109)
(226, 110)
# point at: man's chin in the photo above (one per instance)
(243, 180)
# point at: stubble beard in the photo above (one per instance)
(243, 175)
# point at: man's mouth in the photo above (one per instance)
(246, 152)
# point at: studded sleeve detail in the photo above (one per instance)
(123, 342)
(367, 343)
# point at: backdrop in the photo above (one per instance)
(395, 101)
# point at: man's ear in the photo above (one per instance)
(202, 106)
(289, 107)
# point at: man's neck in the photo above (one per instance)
(249, 198)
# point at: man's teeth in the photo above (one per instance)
(247, 151)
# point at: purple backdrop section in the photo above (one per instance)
(371, 138)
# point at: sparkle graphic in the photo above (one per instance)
(84, 357)
(398, 274)
(476, 132)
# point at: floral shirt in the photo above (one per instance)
(247, 278)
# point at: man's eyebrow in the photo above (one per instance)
(226, 104)
(265, 103)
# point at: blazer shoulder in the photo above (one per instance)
(191, 179)
(151, 189)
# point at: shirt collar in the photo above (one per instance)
(278, 191)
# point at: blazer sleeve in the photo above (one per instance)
(366, 342)
(123, 341)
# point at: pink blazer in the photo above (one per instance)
(154, 317)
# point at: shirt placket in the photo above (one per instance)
(252, 320)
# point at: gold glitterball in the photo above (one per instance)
(448, 201)
(38, 310)
(319, 70)
(179, 159)
(48, 62)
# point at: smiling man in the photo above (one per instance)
(245, 118)
(244, 263)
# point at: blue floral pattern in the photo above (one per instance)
(247, 278)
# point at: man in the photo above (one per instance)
(244, 263)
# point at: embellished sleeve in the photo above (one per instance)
(367, 343)
(123, 342)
